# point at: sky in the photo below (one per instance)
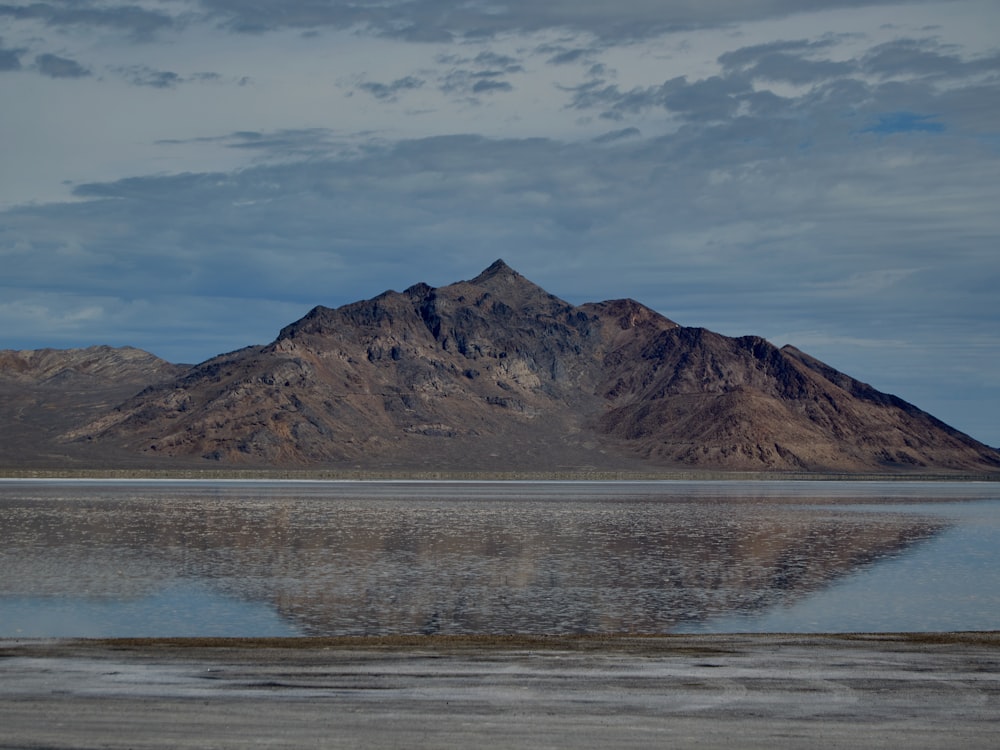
(188, 176)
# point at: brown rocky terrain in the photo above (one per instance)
(497, 374)
(45, 391)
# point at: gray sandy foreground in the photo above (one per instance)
(726, 691)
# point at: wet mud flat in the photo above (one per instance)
(707, 691)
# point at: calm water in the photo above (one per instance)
(132, 558)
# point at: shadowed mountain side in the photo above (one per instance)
(495, 373)
(695, 397)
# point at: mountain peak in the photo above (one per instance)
(510, 286)
(498, 269)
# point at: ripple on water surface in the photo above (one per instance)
(143, 558)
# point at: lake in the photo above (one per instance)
(122, 558)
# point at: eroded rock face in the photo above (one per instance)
(496, 373)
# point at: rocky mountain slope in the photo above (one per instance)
(495, 373)
(44, 392)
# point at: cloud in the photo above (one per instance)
(495, 61)
(427, 21)
(887, 85)
(144, 75)
(275, 146)
(391, 91)
(10, 59)
(617, 135)
(471, 83)
(54, 66)
(713, 98)
(141, 75)
(744, 57)
(909, 56)
(710, 98)
(486, 84)
(722, 202)
(567, 56)
(301, 142)
(485, 60)
(468, 77)
(442, 20)
(137, 21)
(788, 61)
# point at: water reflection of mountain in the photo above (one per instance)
(356, 566)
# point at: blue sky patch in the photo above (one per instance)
(905, 122)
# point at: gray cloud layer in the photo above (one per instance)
(434, 20)
(135, 20)
(426, 20)
(906, 69)
(758, 211)
(10, 59)
(54, 66)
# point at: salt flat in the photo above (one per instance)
(725, 691)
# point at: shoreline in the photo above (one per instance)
(906, 690)
(347, 475)
(583, 642)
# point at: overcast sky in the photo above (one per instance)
(188, 176)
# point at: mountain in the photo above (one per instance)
(94, 365)
(495, 373)
(43, 392)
